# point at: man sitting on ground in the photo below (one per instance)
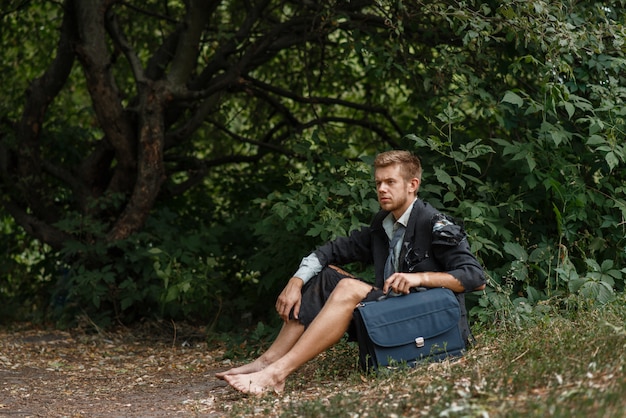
(318, 302)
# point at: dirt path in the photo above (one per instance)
(60, 374)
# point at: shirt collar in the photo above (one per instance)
(389, 222)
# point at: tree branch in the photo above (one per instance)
(220, 59)
(149, 13)
(198, 168)
(324, 101)
(185, 58)
(35, 226)
(40, 94)
(93, 51)
(260, 144)
(150, 170)
(118, 37)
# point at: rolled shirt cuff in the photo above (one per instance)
(310, 266)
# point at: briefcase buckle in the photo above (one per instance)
(419, 342)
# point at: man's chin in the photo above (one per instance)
(388, 206)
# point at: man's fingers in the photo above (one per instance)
(397, 283)
(284, 315)
(394, 283)
(280, 309)
(388, 283)
(280, 306)
(296, 310)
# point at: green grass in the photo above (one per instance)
(556, 366)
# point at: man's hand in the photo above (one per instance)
(402, 283)
(289, 298)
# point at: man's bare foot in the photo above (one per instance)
(256, 366)
(257, 383)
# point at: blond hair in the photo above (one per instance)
(410, 165)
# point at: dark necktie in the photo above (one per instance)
(390, 264)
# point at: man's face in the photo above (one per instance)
(395, 194)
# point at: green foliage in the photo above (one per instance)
(516, 108)
(327, 197)
(166, 271)
(527, 150)
(22, 257)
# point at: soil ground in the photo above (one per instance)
(160, 372)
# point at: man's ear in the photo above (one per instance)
(415, 184)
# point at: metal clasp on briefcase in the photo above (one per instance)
(419, 342)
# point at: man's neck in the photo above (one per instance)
(391, 219)
(398, 213)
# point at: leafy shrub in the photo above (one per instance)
(24, 274)
(166, 271)
(528, 153)
(324, 200)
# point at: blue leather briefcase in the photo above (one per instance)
(408, 329)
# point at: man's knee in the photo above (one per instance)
(352, 290)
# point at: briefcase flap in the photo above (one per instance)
(411, 318)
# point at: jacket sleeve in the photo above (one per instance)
(452, 252)
(343, 250)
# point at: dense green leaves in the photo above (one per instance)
(270, 117)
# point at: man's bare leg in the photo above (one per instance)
(287, 337)
(325, 330)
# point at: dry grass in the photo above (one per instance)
(553, 366)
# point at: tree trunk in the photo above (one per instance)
(150, 172)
